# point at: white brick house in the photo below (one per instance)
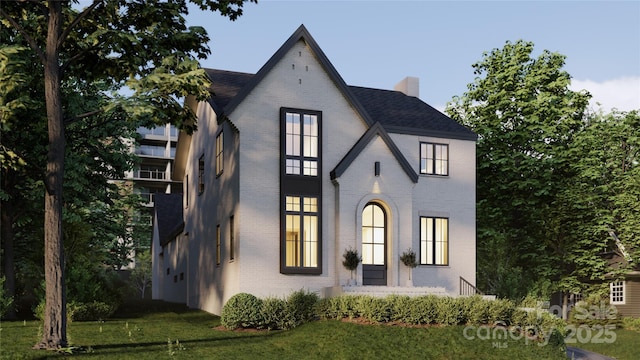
(290, 166)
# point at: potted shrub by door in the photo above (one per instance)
(408, 258)
(350, 261)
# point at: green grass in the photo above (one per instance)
(144, 333)
(623, 347)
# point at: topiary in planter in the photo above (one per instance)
(408, 258)
(351, 259)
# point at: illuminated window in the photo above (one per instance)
(301, 229)
(434, 159)
(434, 241)
(301, 189)
(301, 136)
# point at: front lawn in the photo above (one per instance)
(189, 334)
(624, 346)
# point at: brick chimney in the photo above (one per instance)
(409, 86)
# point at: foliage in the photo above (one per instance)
(631, 323)
(301, 307)
(351, 259)
(141, 275)
(408, 258)
(142, 45)
(274, 315)
(5, 301)
(526, 118)
(241, 311)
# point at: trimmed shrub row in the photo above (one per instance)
(418, 310)
(247, 311)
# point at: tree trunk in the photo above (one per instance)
(54, 334)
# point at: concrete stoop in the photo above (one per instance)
(382, 291)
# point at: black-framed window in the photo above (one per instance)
(434, 241)
(219, 153)
(302, 230)
(300, 191)
(301, 136)
(434, 159)
(201, 174)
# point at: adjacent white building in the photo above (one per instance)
(290, 167)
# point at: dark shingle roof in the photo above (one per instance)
(397, 112)
(226, 85)
(168, 212)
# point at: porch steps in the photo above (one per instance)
(382, 291)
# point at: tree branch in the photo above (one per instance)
(82, 116)
(25, 34)
(76, 21)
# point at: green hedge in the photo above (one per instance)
(245, 310)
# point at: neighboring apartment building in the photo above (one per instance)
(152, 175)
(290, 167)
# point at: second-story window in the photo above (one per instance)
(434, 159)
(302, 131)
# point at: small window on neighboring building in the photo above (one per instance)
(201, 174)
(219, 154)
(434, 241)
(168, 271)
(616, 295)
(181, 276)
(434, 159)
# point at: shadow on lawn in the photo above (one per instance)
(140, 308)
(144, 347)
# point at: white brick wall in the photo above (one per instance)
(249, 189)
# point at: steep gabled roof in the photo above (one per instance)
(369, 135)
(397, 112)
(403, 114)
(168, 213)
(249, 83)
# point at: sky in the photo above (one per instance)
(378, 43)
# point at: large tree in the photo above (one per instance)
(142, 44)
(526, 116)
(598, 208)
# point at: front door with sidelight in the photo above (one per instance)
(374, 245)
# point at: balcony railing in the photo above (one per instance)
(154, 174)
(148, 150)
